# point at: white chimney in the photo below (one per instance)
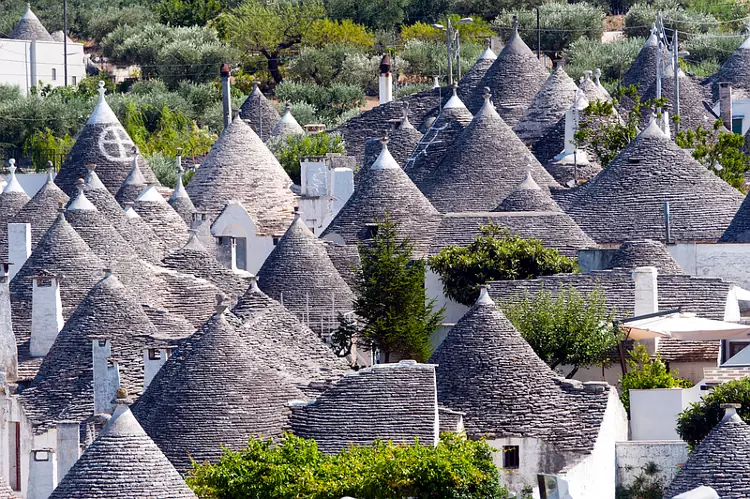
(730, 411)
(646, 291)
(42, 473)
(8, 350)
(106, 376)
(46, 312)
(68, 445)
(385, 80)
(153, 359)
(19, 246)
(665, 123)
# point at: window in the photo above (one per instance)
(511, 457)
(737, 124)
(73, 80)
(276, 240)
(372, 230)
(54, 74)
(14, 442)
(240, 254)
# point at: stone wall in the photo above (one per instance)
(632, 456)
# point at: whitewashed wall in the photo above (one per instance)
(632, 456)
(24, 63)
(728, 261)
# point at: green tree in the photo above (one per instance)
(346, 32)
(290, 150)
(269, 29)
(645, 372)
(391, 303)
(191, 12)
(496, 255)
(457, 468)
(568, 329)
(607, 136)
(375, 14)
(718, 150)
(695, 422)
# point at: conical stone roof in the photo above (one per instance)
(133, 185)
(259, 113)
(528, 196)
(736, 70)
(195, 260)
(645, 253)
(105, 143)
(165, 222)
(720, 461)
(122, 462)
(643, 70)
(41, 210)
(472, 79)
(401, 143)
(739, 228)
(549, 105)
(591, 90)
(514, 79)
(439, 139)
(487, 370)
(241, 167)
(299, 273)
(180, 201)
(483, 167)
(306, 361)
(287, 126)
(12, 199)
(213, 392)
(63, 387)
(386, 189)
(30, 28)
(133, 229)
(625, 202)
(63, 253)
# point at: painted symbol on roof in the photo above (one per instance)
(115, 144)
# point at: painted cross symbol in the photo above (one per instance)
(119, 141)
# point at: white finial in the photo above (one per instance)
(13, 185)
(484, 297)
(385, 160)
(730, 412)
(101, 89)
(528, 183)
(102, 112)
(81, 202)
(454, 102)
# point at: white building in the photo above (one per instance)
(32, 56)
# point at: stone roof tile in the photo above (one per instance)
(259, 113)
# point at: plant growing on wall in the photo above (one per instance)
(695, 422)
(644, 372)
(496, 255)
(571, 329)
(294, 468)
(647, 485)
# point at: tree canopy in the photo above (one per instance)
(391, 299)
(496, 255)
(294, 468)
(570, 329)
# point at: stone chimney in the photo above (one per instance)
(226, 94)
(153, 359)
(46, 312)
(68, 446)
(385, 80)
(725, 104)
(19, 246)
(8, 350)
(106, 376)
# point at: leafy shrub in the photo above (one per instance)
(645, 372)
(707, 47)
(304, 113)
(375, 14)
(164, 168)
(701, 69)
(719, 151)
(579, 20)
(42, 146)
(295, 468)
(329, 101)
(496, 255)
(570, 329)
(9, 93)
(641, 16)
(613, 59)
(190, 12)
(324, 32)
(474, 32)
(647, 485)
(321, 66)
(695, 422)
(291, 149)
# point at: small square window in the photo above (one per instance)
(511, 457)
(737, 124)
(54, 74)
(74, 80)
(276, 240)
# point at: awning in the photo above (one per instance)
(684, 326)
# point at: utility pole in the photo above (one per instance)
(65, 41)
(538, 35)
(450, 36)
(676, 82)
(458, 55)
(658, 57)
